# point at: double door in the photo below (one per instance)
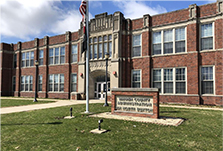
(100, 89)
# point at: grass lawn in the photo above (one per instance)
(19, 102)
(47, 130)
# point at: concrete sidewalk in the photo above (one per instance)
(58, 103)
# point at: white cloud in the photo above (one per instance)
(32, 18)
(136, 9)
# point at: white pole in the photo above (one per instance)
(87, 58)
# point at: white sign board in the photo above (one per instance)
(140, 104)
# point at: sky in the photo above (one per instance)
(25, 20)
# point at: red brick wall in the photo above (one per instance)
(41, 42)
(137, 24)
(218, 34)
(172, 17)
(192, 37)
(208, 10)
(179, 99)
(74, 36)
(57, 39)
(27, 45)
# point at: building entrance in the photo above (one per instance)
(100, 89)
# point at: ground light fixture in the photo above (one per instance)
(36, 64)
(106, 79)
(99, 124)
(71, 109)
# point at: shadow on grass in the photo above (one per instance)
(51, 123)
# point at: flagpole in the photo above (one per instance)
(87, 57)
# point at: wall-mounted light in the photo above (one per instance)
(81, 75)
(114, 72)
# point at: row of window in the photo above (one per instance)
(99, 46)
(173, 41)
(173, 80)
(56, 83)
(170, 81)
(163, 42)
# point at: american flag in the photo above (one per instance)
(82, 10)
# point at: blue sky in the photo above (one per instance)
(25, 20)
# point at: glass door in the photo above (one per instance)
(100, 89)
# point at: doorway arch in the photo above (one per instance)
(97, 84)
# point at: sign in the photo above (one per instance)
(139, 104)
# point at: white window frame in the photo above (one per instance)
(174, 40)
(137, 45)
(59, 56)
(200, 81)
(74, 55)
(30, 60)
(40, 84)
(213, 35)
(140, 77)
(174, 80)
(73, 83)
(41, 58)
(158, 81)
(30, 85)
(53, 83)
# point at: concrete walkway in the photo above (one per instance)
(58, 103)
(193, 107)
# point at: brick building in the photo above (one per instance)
(179, 52)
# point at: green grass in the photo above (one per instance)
(47, 130)
(19, 102)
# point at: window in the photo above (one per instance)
(27, 59)
(100, 50)
(91, 51)
(180, 80)
(136, 45)
(15, 61)
(56, 82)
(23, 59)
(110, 48)
(26, 83)
(57, 55)
(157, 43)
(74, 53)
(13, 83)
(73, 82)
(95, 51)
(180, 40)
(105, 49)
(32, 59)
(40, 82)
(62, 55)
(157, 79)
(41, 57)
(207, 80)
(110, 45)
(136, 76)
(170, 81)
(169, 41)
(100, 46)
(206, 37)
